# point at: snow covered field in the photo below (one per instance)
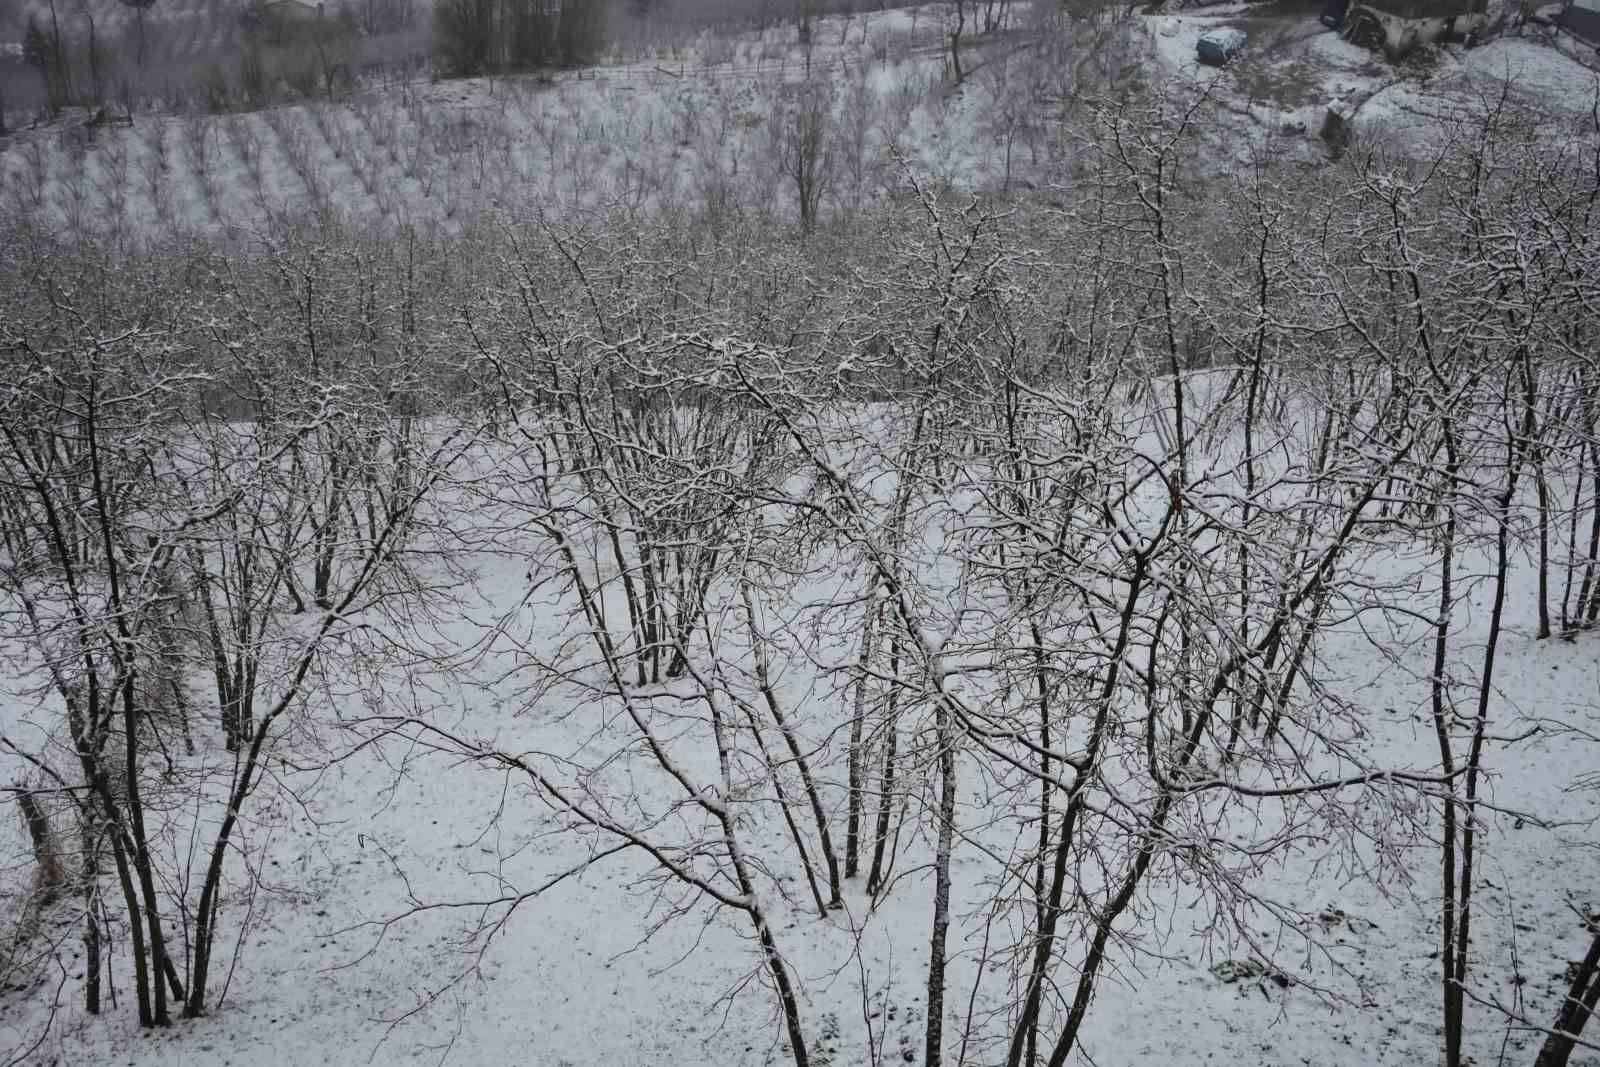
(1343, 910)
(565, 982)
(1153, 570)
(700, 129)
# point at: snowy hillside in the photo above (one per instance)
(761, 554)
(707, 126)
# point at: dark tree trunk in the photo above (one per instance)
(933, 1052)
(1575, 1010)
(886, 780)
(44, 852)
(858, 770)
(91, 916)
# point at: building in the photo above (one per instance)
(1401, 25)
(1581, 18)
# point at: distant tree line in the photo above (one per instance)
(475, 36)
(217, 59)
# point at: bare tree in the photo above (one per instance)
(140, 9)
(804, 148)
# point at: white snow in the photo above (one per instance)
(587, 972)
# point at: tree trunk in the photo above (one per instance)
(934, 1050)
(955, 41)
(1575, 1010)
(852, 834)
(44, 849)
(91, 913)
(764, 680)
(63, 73)
(1443, 716)
(886, 779)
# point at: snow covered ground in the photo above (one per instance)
(1294, 68)
(383, 930)
(571, 977)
